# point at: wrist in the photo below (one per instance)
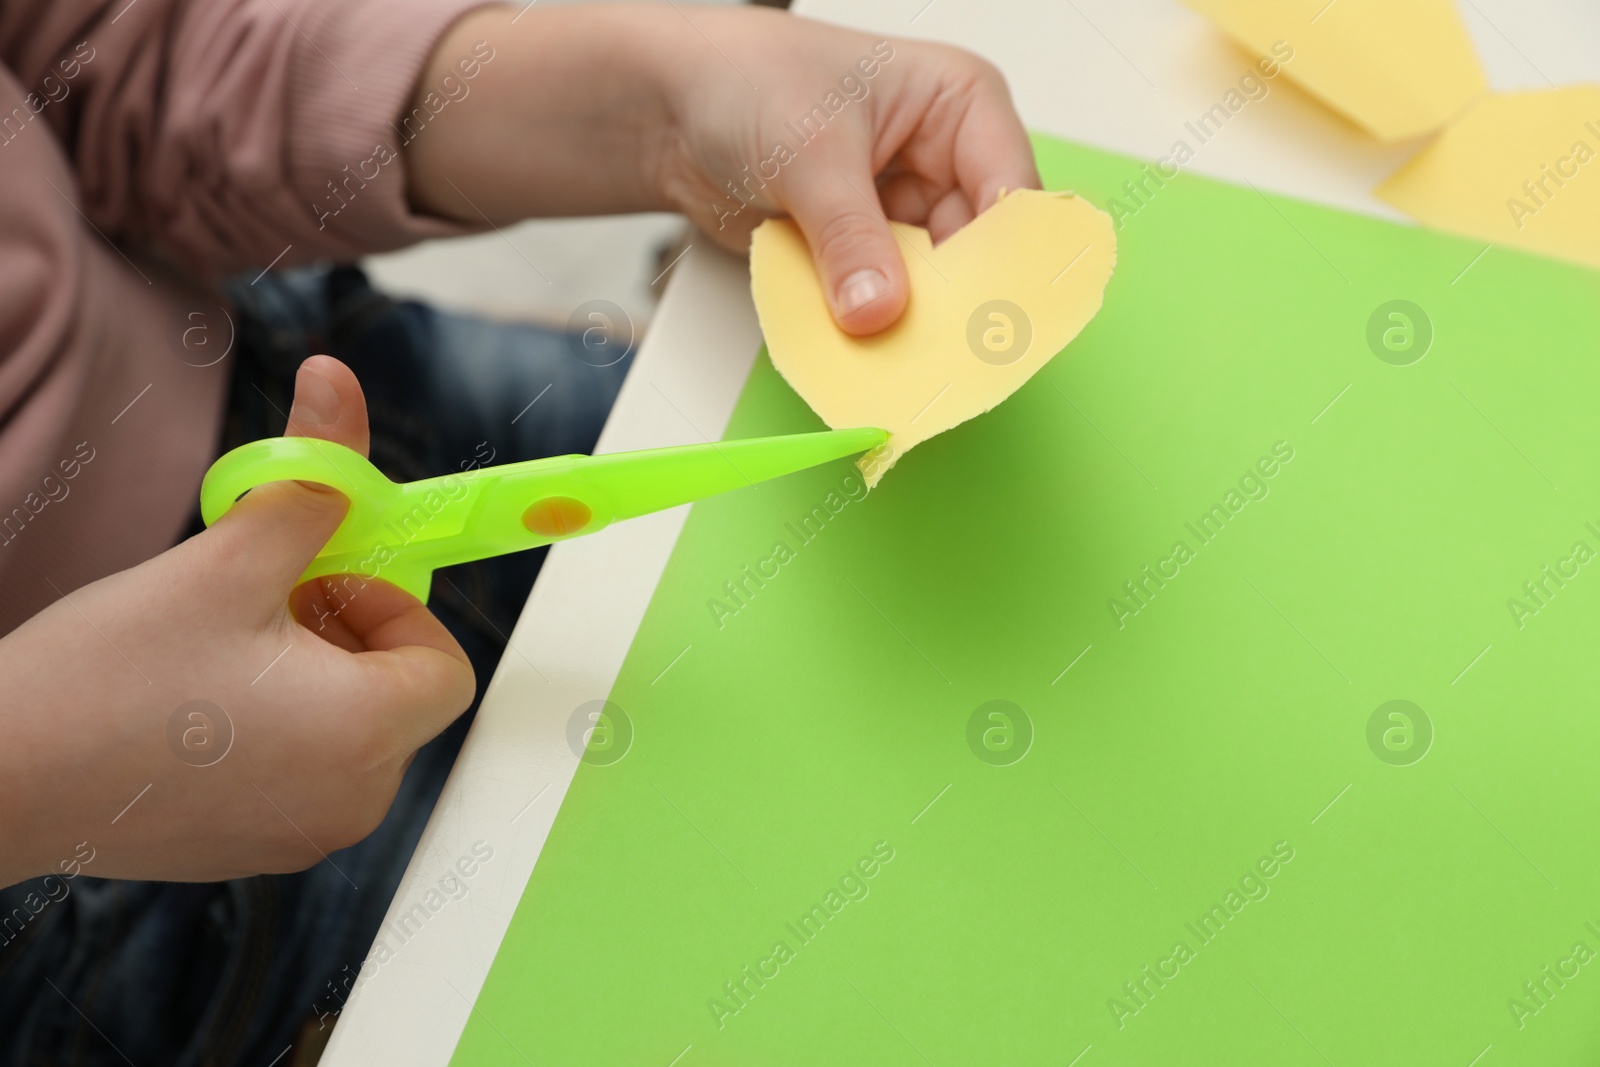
(565, 116)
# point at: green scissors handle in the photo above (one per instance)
(402, 532)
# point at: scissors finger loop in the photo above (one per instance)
(281, 459)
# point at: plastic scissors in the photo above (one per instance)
(402, 532)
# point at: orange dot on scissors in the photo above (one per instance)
(557, 516)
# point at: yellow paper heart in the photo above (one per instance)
(988, 308)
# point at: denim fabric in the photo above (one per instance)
(249, 971)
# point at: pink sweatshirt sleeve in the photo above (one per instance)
(229, 133)
(135, 135)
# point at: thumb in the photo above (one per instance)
(835, 204)
(329, 404)
(275, 531)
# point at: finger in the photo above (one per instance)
(992, 151)
(411, 669)
(273, 533)
(425, 688)
(833, 199)
(941, 210)
(414, 667)
(319, 605)
(907, 197)
(361, 614)
(948, 215)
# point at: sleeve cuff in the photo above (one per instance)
(346, 130)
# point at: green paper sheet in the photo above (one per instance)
(1289, 596)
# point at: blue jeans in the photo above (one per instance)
(254, 971)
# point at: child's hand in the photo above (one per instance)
(321, 722)
(725, 114)
(933, 125)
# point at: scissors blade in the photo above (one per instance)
(442, 521)
(638, 483)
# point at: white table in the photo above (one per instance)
(1117, 74)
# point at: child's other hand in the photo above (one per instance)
(725, 114)
(322, 703)
(845, 128)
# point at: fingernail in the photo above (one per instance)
(861, 289)
(316, 401)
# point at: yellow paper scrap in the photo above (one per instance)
(988, 308)
(1522, 169)
(1398, 68)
